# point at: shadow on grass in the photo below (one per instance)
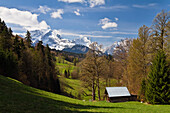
(67, 106)
(16, 97)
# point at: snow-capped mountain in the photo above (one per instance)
(82, 41)
(110, 50)
(55, 41)
(121, 46)
(77, 49)
(52, 38)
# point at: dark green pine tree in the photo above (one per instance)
(28, 39)
(48, 55)
(22, 45)
(5, 37)
(16, 47)
(10, 32)
(74, 61)
(65, 73)
(68, 74)
(158, 83)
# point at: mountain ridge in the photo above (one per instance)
(78, 45)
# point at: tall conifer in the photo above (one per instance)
(158, 83)
(28, 39)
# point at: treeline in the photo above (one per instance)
(33, 66)
(69, 56)
(143, 66)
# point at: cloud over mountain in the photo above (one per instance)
(25, 19)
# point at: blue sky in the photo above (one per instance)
(104, 21)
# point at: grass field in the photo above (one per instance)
(18, 98)
(74, 88)
(64, 65)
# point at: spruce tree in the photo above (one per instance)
(28, 39)
(157, 90)
(16, 47)
(65, 73)
(22, 45)
(68, 74)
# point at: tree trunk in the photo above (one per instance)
(98, 86)
(93, 90)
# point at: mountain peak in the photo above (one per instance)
(55, 41)
(124, 44)
(83, 41)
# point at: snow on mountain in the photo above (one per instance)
(55, 41)
(82, 41)
(110, 50)
(121, 46)
(77, 49)
(52, 38)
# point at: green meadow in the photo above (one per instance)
(16, 97)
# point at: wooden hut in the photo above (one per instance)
(118, 94)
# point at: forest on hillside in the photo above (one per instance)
(34, 66)
(143, 67)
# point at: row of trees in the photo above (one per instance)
(31, 65)
(135, 65)
(142, 68)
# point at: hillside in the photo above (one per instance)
(74, 88)
(15, 97)
(64, 65)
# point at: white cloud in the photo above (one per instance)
(92, 3)
(124, 33)
(25, 19)
(106, 23)
(115, 32)
(70, 33)
(72, 1)
(57, 14)
(145, 6)
(116, 19)
(152, 4)
(115, 7)
(44, 9)
(77, 12)
(96, 2)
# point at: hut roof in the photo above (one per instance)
(117, 91)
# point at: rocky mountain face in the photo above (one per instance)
(79, 45)
(117, 47)
(55, 41)
(82, 41)
(52, 38)
(77, 49)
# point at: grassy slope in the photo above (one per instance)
(65, 66)
(18, 98)
(75, 88)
